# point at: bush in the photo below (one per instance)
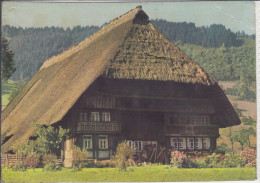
(231, 161)
(19, 167)
(177, 159)
(79, 156)
(49, 140)
(32, 160)
(249, 156)
(189, 162)
(123, 157)
(51, 166)
(48, 158)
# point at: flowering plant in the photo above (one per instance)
(177, 159)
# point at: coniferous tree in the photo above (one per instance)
(7, 61)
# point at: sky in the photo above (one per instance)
(237, 16)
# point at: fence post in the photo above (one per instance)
(7, 160)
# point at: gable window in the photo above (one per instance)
(174, 143)
(105, 116)
(103, 141)
(87, 141)
(95, 116)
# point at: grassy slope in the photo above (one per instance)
(133, 174)
(6, 91)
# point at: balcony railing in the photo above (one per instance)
(188, 129)
(99, 126)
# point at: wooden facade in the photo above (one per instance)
(179, 116)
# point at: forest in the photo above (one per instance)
(224, 54)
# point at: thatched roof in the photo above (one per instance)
(129, 47)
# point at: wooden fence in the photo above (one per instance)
(8, 159)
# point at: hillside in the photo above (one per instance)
(34, 45)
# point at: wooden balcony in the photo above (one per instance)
(191, 130)
(99, 126)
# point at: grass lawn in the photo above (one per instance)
(133, 174)
(7, 88)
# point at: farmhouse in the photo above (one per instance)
(125, 82)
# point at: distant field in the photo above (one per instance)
(133, 174)
(227, 84)
(7, 88)
(249, 108)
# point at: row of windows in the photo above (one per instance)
(192, 143)
(139, 145)
(94, 116)
(193, 119)
(102, 142)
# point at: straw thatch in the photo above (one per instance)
(129, 47)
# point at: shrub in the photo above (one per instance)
(51, 166)
(79, 156)
(177, 159)
(32, 160)
(48, 158)
(123, 157)
(231, 161)
(19, 166)
(212, 160)
(189, 163)
(88, 164)
(49, 140)
(249, 156)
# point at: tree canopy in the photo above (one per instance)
(7, 60)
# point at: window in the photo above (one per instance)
(174, 143)
(191, 143)
(195, 119)
(175, 119)
(205, 120)
(206, 143)
(83, 116)
(138, 145)
(197, 143)
(87, 141)
(181, 143)
(94, 116)
(103, 141)
(105, 116)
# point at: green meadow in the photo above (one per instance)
(161, 173)
(7, 88)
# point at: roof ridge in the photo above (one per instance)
(74, 49)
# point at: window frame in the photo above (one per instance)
(196, 143)
(106, 116)
(100, 140)
(95, 116)
(88, 140)
(181, 143)
(191, 143)
(174, 142)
